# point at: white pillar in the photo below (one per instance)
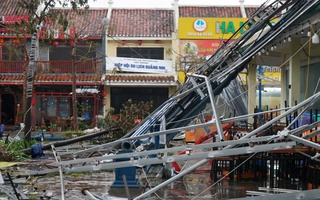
(175, 42)
(251, 82)
(242, 8)
(175, 6)
(106, 24)
(294, 74)
(110, 2)
(284, 85)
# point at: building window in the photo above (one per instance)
(64, 107)
(11, 52)
(64, 53)
(148, 53)
(121, 95)
(52, 106)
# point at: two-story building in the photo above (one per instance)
(99, 51)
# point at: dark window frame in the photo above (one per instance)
(120, 95)
(141, 52)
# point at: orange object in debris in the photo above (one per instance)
(190, 136)
(194, 135)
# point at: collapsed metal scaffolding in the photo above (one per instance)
(202, 88)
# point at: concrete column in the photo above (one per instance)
(251, 82)
(105, 52)
(284, 86)
(242, 8)
(175, 45)
(106, 29)
(172, 90)
(175, 39)
(294, 73)
(175, 6)
(108, 99)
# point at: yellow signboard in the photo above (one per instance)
(209, 28)
(270, 78)
(199, 47)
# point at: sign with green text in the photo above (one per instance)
(210, 28)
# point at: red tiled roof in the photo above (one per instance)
(130, 22)
(55, 79)
(210, 11)
(65, 78)
(251, 10)
(140, 79)
(215, 11)
(85, 22)
(141, 23)
(11, 7)
(11, 78)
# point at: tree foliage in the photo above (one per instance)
(10, 151)
(39, 11)
(130, 115)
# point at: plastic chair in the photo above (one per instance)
(1, 130)
(86, 116)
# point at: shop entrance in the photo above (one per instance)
(7, 109)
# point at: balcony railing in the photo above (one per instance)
(88, 66)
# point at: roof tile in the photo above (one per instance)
(210, 11)
(251, 10)
(11, 7)
(141, 23)
(215, 11)
(131, 22)
(86, 22)
(51, 78)
(140, 79)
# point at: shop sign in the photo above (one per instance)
(199, 47)
(271, 78)
(57, 33)
(12, 19)
(139, 65)
(209, 28)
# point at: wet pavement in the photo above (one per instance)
(98, 183)
(191, 186)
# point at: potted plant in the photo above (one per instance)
(43, 127)
(60, 124)
(52, 127)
